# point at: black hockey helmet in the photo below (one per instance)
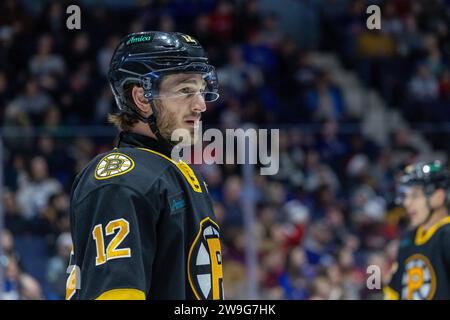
(143, 58)
(431, 176)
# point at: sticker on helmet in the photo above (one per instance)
(114, 164)
(189, 39)
(134, 39)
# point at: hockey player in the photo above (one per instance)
(142, 224)
(422, 270)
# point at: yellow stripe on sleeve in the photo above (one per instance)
(390, 294)
(122, 294)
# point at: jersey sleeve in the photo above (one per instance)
(114, 243)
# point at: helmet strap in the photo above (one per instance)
(151, 121)
(149, 88)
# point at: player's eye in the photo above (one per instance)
(189, 92)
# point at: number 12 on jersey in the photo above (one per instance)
(119, 227)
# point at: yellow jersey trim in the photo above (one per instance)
(103, 163)
(184, 168)
(122, 294)
(71, 285)
(390, 294)
(423, 236)
(190, 253)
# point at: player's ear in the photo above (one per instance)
(140, 101)
(439, 197)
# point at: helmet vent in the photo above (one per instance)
(170, 61)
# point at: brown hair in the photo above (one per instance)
(125, 121)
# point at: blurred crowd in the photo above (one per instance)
(407, 60)
(330, 211)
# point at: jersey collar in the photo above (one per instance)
(135, 140)
(423, 236)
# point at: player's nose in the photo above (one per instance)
(198, 104)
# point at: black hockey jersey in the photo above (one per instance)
(143, 228)
(423, 265)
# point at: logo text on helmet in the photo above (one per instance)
(138, 39)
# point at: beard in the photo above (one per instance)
(168, 121)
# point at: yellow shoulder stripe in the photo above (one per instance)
(423, 236)
(184, 168)
(390, 294)
(122, 294)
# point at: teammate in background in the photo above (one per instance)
(422, 270)
(142, 224)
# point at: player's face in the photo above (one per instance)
(182, 105)
(415, 204)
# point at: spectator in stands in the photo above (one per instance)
(325, 101)
(221, 20)
(57, 266)
(235, 287)
(331, 147)
(14, 220)
(290, 170)
(320, 289)
(271, 35)
(410, 40)
(12, 278)
(232, 190)
(423, 86)
(318, 174)
(318, 242)
(33, 101)
(238, 74)
(29, 288)
(34, 194)
(297, 273)
(7, 243)
(45, 63)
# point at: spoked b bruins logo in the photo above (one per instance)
(419, 279)
(114, 164)
(205, 262)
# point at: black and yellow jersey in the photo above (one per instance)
(423, 264)
(143, 228)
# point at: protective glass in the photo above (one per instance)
(209, 93)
